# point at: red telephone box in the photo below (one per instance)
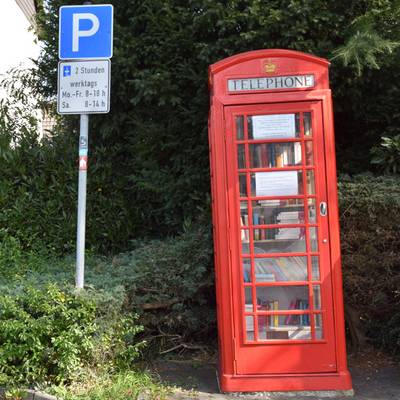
(276, 228)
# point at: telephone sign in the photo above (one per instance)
(86, 32)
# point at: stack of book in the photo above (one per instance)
(288, 217)
(270, 320)
(302, 320)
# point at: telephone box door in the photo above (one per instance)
(280, 252)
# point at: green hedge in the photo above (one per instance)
(370, 237)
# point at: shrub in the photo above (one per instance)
(38, 181)
(48, 335)
(168, 282)
(370, 219)
(387, 154)
(15, 260)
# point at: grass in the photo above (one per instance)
(119, 386)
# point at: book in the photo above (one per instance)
(244, 234)
(271, 155)
(256, 155)
(264, 155)
(270, 266)
(261, 277)
(276, 317)
(262, 231)
(287, 233)
(297, 154)
(305, 318)
(288, 318)
(283, 335)
(256, 222)
(286, 156)
(279, 156)
(246, 276)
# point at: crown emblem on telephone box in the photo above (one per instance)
(269, 67)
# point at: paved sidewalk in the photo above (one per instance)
(198, 381)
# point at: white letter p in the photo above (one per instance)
(76, 33)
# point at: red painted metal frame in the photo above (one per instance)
(312, 356)
(251, 64)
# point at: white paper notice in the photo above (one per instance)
(279, 183)
(274, 126)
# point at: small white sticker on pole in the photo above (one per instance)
(84, 87)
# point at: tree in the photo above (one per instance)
(148, 169)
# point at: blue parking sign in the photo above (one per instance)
(86, 32)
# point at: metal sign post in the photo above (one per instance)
(86, 35)
(80, 241)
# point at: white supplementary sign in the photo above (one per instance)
(83, 87)
(279, 183)
(274, 126)
(271, 83)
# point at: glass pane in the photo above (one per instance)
(319, 332)
(249, 327)
(309, 153)
(264, 322)
(315, 268)
(307, 124)
(272, 155)
(244, 214)
(241, 156)
(244, 234)
(289, 211)
(283, 327)
(280, 269)
(282, 240)
(277, 183)
(310, 182)
(240, 127)
(248, 299)
(242, 185)
(246, 270)
(297, 122)
(317, 297)
(282, 298)
(274, 126)
(312, 213)
(313, 239)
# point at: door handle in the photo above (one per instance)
(323, 208)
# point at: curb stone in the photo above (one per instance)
(31, 395)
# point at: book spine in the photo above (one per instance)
(262, 231)
(276, 317)
(256, 222)
(246, 231)
(271, 155)
(279, 156)
(264, 155)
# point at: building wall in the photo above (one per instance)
(18, 40)
(28, 8)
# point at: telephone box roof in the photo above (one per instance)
(251, 55)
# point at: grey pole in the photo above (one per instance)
(80, 241)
